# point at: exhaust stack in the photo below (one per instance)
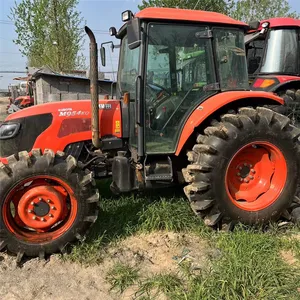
(94, 87)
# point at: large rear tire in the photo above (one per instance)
(46, 202)
(244, 168)
(291, 108)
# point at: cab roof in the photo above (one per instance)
(188, 15)
(282, 22)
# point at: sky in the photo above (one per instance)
(99, 15)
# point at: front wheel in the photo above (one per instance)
(244, 168)
(46, 202)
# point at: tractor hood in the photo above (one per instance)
(64, 109)
(56, 125)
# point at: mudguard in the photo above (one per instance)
(211, 105)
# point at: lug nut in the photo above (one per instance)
(32, 203)
(29, 210)
(240, 168)
(34, 218)
(250, 166)
(251, 177)
(48, 200)
(50, 215)
(42, 219)
(253, 171)
(238, 174)
(40, 199)
(53, 207)
(245, 164)
(241, 179)
(246, 180)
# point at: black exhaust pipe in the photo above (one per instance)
(94, 87)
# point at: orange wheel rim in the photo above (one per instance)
(39, 209)
(256, 176)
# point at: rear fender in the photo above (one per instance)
(212, 105)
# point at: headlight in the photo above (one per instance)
(9, 130)
(127, 15)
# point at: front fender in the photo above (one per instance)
(211, 105)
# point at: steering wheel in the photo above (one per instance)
(157, 92)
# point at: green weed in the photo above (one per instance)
(121, 276)
(168, 284)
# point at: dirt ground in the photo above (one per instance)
(50, 280)
(3, 104)
(57, 279)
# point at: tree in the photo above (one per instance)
(49, 33)
(221, 6)
(249, 10)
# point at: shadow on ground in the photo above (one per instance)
(121, 216)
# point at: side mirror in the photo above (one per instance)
(112, 31)
(134, 33)
(102, 52)
(103, 56)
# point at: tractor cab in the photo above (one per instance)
(273, 58)
(169, 67)
(273, 52)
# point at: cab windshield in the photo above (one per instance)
(274, 53)
(281, 52)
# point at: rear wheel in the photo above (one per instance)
(46, 202)
(291, 108)
(244, 168)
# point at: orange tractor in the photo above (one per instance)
(184, 114)
(24, 97)
(273, 53)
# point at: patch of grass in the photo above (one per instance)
(250, 268)
(168, 284)
(88, 252)
(291, 241)
(122, 216)
(168, 214)
(294, 245)
(122, 276)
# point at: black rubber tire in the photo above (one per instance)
(213, 152)
(291, 108)
(23, 166)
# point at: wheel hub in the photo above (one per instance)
(41, 207)
(245, 173)
(256, 176)
(244, 170)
